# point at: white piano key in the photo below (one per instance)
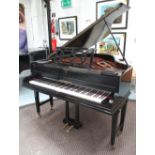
(71, 90)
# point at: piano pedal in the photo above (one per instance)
(66, 125)
(118, 133)
(112, 147)
(69, 128)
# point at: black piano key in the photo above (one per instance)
(86, 90)
(77, 89)
(60, 85)
(56, 84)
(105, 94)
(94, 91)
(73, 88)
(102, 95)
(67, 86)
(90, 93)
(98, 94)
(46, 82)
(70, 87)
(38, 80)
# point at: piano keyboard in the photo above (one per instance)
(87, 93)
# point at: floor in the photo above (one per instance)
(26, 96)
(45, 135)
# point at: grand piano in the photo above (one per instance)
(79, 75)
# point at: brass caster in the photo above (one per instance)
(66, 124)
(69, 128)
(112, 147)
(51, 108)
(118, 133)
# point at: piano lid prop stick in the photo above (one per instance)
(116, 42)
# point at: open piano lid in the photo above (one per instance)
(97, 30)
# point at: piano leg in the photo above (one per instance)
(77, 124)
(67, 110)
(77, 112)
(114, 127)
(118, 130)
(70, 121)
(36, 94)
(51, 102)
(38, 103)
(66, 119)
(123, 114)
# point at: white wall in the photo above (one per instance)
(36, 22)
(131, 35)
(85, 10)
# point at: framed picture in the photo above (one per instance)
(67, 27)
(103, 7)
(108, 46)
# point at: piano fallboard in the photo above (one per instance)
(104, 79)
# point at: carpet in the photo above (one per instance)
(45, 135)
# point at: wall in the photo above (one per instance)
(36, 22)
(85, 10)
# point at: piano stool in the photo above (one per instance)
(118, 107)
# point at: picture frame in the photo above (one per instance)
(104, 6)
(108, 46)
(67, 27)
